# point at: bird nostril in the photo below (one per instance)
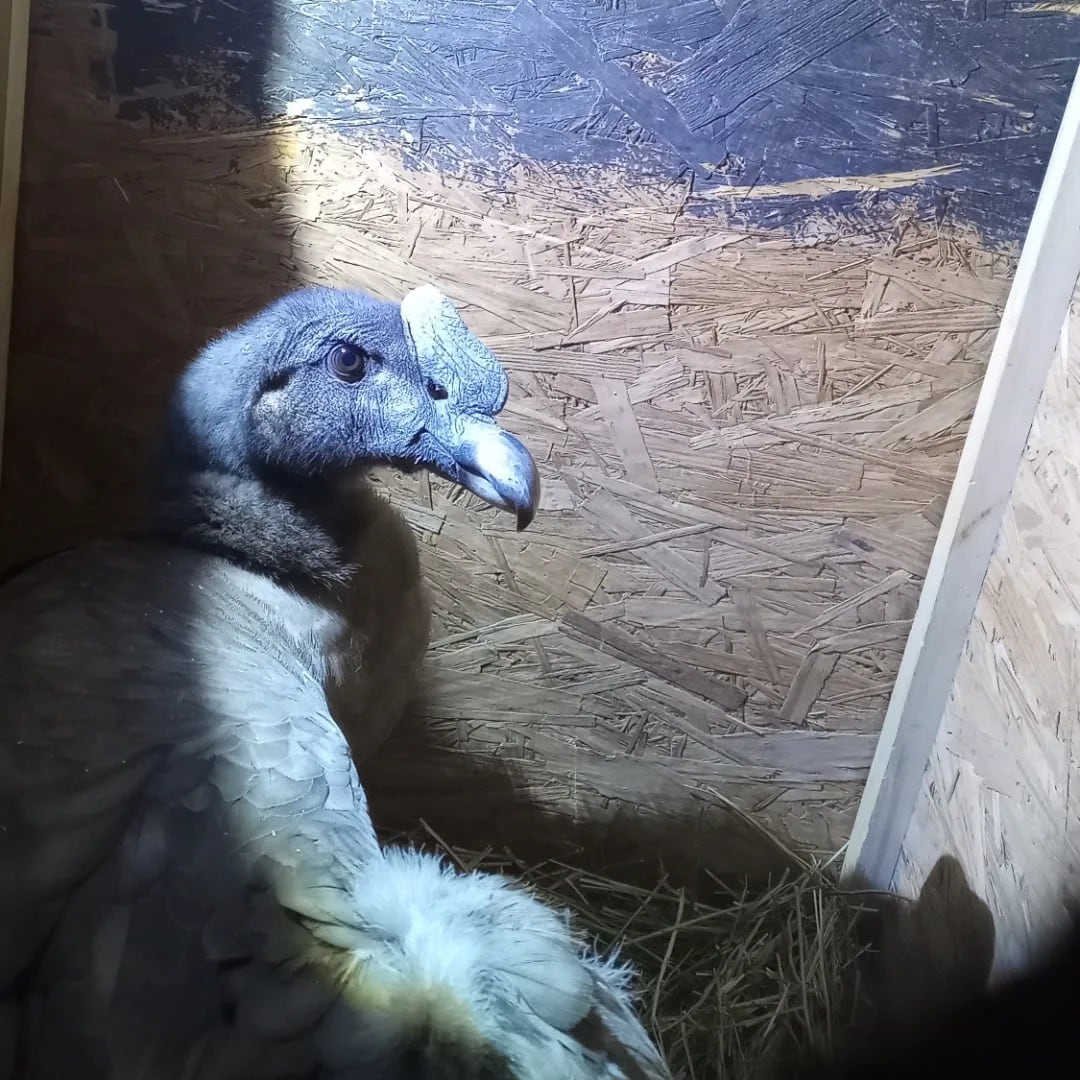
(417, 437)
(436, 391)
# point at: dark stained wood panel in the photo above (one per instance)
(951, 102)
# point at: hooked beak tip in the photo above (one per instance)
(529, 500)
(494, 465)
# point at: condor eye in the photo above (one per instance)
(347, 362)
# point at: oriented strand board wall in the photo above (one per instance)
(1000, 794)
(746, 445)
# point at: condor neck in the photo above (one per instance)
(295, 533)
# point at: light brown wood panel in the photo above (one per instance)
(1002, 792)
(746, 443)
(1011, 391)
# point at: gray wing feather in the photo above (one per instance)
(168, 767)
(191, 886)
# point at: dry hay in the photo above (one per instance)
(749, 984)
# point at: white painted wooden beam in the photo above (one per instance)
(1046, 275)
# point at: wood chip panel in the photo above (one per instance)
(745, 442)
(1000, 792)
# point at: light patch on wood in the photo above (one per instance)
(1058, 8)
(807, 685)
(828, 185)
(614, 402)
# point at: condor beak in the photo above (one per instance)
(496, 466)
(470, 448)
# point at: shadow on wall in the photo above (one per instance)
(935, 952)
(137, 241)
(927, 960)
(938, 1013)
(474, 802)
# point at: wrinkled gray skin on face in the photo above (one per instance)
(483, 458)
(439, 335)
(261, 402)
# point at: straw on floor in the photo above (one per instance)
(742, 985)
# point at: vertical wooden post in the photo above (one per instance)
(1047, 272)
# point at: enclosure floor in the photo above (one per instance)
(746, 444)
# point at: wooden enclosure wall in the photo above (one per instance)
(746, 439)
(975, 765)
(1000, 794)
